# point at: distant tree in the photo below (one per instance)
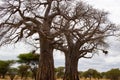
(59, 72)
(12, 72)
(23, 70)
(103, 74)
(91, 73)
(4, 67)
(80, 74)
(85, 74)
(113, 74)
(30, 59)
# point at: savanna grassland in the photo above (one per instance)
(89, 79)
(57, 79)
(18, 78)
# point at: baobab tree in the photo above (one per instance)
(53, 21)
(24, 18)
(85, 30)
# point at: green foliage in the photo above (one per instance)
(59, 72)
(103, 74)
(12, 72)
(91, 73)
(28, 57)
(85, 74)
(80, 74)
(113, 74)
(23, 70)
(4, 66)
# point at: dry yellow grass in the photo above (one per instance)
(88, 79)
(57, 79)
(18, 78)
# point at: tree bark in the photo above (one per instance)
(71, 65)
(46, 63)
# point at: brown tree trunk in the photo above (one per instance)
(71, 65)
(46, 63)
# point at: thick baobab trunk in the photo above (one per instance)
(71, 65)
(46, 64)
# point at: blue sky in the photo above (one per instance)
(99, 62)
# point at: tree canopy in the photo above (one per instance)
(73, 27)
(91, 73)
(59, 72)
(12, 72)
(4, 67)
(113, 74)
(28, 58)
(31, 59)
(23, 70)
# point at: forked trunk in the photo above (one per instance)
(71, 65)
(46, 64)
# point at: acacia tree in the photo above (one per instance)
(59, 71)
(85, 30)
(113, 74)
(23, 70)
(4, 67)
(30, 59)
(12, 72)
(91, 73)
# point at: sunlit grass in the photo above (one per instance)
(18, 78)
(88, 79)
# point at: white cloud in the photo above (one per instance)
(113, 59)
(13, 50)
(58, 55)
(111, 6)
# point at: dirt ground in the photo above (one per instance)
(18, 78)
(57, 79)
(89, 79)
